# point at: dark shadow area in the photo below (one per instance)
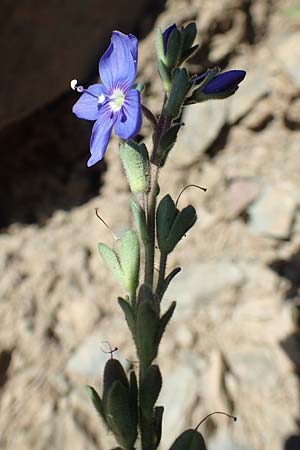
(43, 165)
(290, 270)
(292, 443)
(219, 143)
(5, 360)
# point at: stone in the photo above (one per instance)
(203, 123)
(47, 44)
(240, 194)
(89, 360)
(254, 87)
(178, 396)
(200, 282)
(273, 213)
(292, 117)
(287, 51)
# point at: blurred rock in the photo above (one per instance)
(201, 282)
(273, 213)
(287, 51)
(259, 117)
(255, 86)
(203, 123)
(240, 194)
(47, 44)
(292, 117)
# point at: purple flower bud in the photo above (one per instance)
(166, 35)
(226, 81)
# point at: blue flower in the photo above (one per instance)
(114, 103)
(224, 82)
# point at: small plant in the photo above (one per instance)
(128, 405)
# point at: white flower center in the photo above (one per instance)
(101, 98)
(117, 100)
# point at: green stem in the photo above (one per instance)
(150, 245)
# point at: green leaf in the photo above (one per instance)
(189, 34)
(97, 402)
(160, 48)
(167, 281)
(179, 90)
(149, 390)
(119, 416)
(165, 216)
(189, 440)
(113, 371)
(167, 142)
(158, 416)
(185, 219)
(129, 316)
(147, 324)
(165, 319)
(164, 75)
(111, 260)
(133, 395)
(174, 47)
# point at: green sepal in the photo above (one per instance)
(111, 260)
(139, 86)
(179, 90)
(135, 161)
(165, 216)
(185, 219)
(129, 315)
(164, 75)
(165, 319)
(160, 47)
(166, 143)
(174, 47)
(202, 97)
(139, 219)
(119, 416)
(149, 390)
(188, 53)
(188, 34)
(97, 402)
(113, 371)
(189, 440)
(129, 255)
(133, 395)
(167, 281)
(158, 416)
(147, 325)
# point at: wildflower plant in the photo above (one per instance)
(128, 404)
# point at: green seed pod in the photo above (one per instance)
(135, 161)
(165, 216)
(149, 390)
(179, 90)
(129, 255)
(189, 440)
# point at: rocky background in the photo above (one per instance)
(234, 343)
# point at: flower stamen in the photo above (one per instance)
(117, 99)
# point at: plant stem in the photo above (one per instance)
(150, 246)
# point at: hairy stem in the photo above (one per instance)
(162, 273)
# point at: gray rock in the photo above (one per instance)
(254, 87)
(202, 281)
(287, 51)
(44, 45)
(273, 213)
(203, 123)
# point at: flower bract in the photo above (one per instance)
(115, 103)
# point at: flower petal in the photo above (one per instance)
(134, 50)
(225, 81)
(117, 67)
(129, 119)
(87, 107)
(101, 134)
